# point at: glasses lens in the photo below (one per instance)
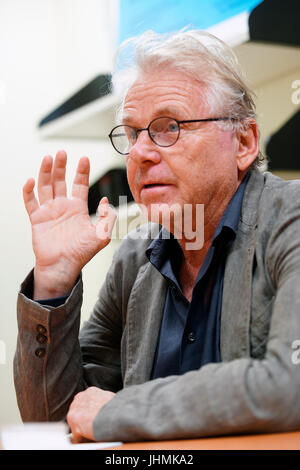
(164, 131)
(123, 137)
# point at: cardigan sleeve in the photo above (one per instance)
(54, 360)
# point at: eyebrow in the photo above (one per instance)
(170, 111)
(126, 119)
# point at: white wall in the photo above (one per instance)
(85, 33)
(47, 49)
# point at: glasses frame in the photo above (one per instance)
(138, 131)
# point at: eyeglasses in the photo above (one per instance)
(163, 131)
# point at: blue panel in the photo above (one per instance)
(137, 16)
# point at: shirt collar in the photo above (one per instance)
(231, 216)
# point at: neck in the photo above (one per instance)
(193, 254)
(196, 242)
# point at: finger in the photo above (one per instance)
(45, 190)
(106, 221)
(76, 398)
(102, 209)
(80, 187)
(30, 201)
(58, 177)
(74, 427)
(76, 437)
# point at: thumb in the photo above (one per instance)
(107, 217)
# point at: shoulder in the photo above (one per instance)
(271, 207)
(268, 197)
(280, 198)
(278, 224)
(280, 186)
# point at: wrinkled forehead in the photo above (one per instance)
(164, 91)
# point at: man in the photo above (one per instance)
(182, 342)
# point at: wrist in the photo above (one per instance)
(53, 282)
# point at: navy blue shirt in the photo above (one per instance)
(190, 331)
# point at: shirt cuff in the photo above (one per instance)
(55, 302)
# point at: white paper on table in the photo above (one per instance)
(44, 436)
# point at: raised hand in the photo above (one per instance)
(63, 236)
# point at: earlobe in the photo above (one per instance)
(248, 145)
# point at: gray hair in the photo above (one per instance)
(199, 55)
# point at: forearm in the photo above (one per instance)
(238, 396)
(47, 363)
(227, 398)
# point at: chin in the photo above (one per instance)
(166, 214)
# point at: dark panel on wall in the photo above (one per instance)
(113, 184)
(283, 147)
(96, 88)
(276, 21)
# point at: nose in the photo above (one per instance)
(145, 150)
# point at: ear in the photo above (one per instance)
(248, 147)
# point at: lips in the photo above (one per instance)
(153, 185)
(154, 190)
(152, 182)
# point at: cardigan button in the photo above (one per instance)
(40, 352)
(41, 338)
(41, 329)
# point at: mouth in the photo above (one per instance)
(154, 185)
(154, 189)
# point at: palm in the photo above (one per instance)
(62, 228)
(64, 238)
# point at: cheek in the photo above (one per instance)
(203, 166)
(192, 163)
(227, 142)
(131, 176)
(219, 155)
